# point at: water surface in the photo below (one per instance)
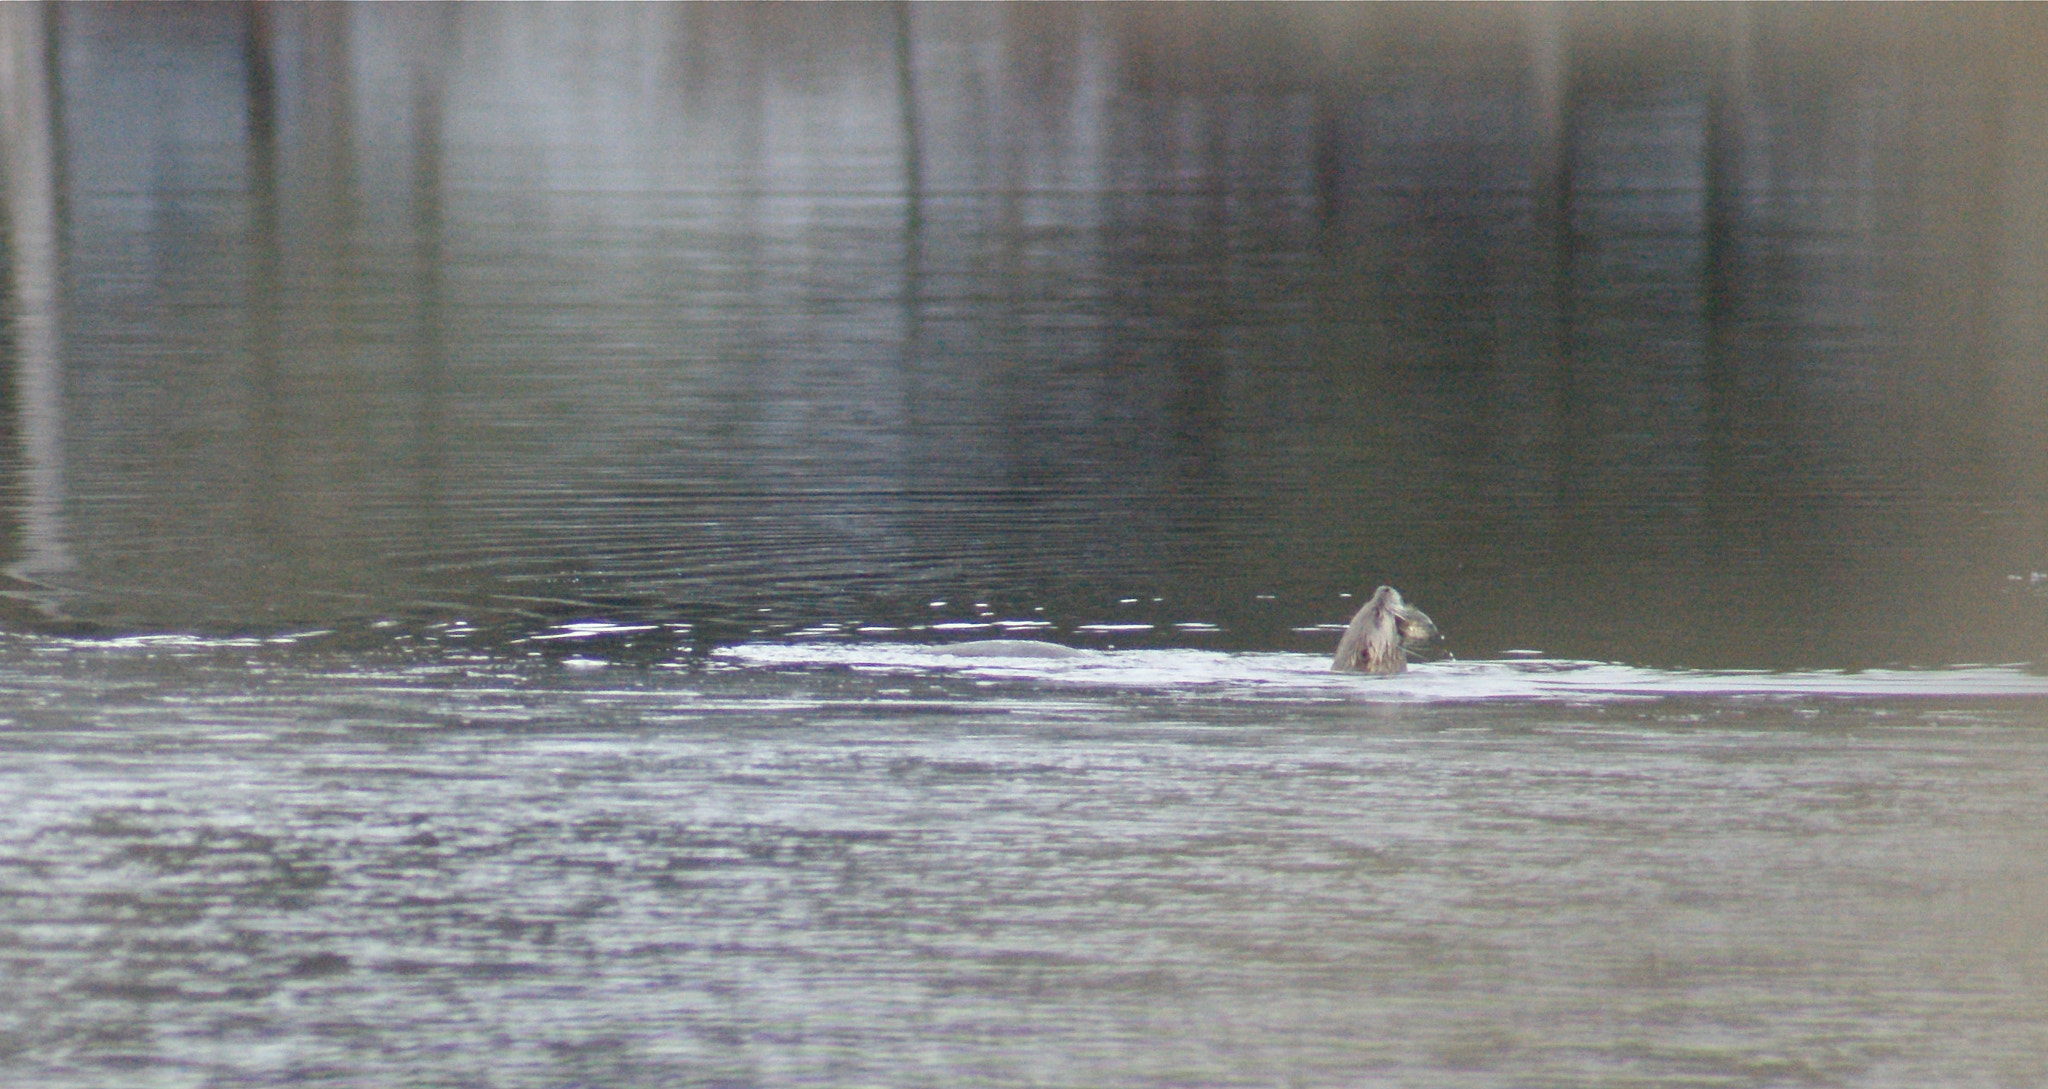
(251, 864)
(1672, 337)
(481, 487)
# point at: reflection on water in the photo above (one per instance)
(1674, 336)
(478, 484)
(27, 175)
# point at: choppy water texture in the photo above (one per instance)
(491, 497)
(244, 863)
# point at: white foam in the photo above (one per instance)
(1308, 676)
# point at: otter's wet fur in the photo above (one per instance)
(1379, 636)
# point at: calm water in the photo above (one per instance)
(476, 485)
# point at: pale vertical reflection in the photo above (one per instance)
(913, 180)
(28, 159)
(2018, 252)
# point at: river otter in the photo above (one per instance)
(1381, 633)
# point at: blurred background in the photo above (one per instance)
(1703, 335)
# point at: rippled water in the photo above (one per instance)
(1667, 355)
(240, 863)
(498, 505)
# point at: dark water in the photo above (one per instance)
(473, 479)
(1655, 335)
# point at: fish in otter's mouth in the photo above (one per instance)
(1379, 636)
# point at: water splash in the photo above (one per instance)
(1308, 676)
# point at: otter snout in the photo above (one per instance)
(1380, 634)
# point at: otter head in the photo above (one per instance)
(1381, 633)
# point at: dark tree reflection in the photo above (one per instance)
(1702, 334)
